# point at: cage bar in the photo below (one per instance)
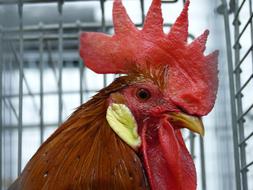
(60, 63)
(239, 100)
(41, 112)
(225, 13)
(237, 88)
(1, 107)
(21, 74)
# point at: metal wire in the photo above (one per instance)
(81, 67)
(232, 95)
(202, 163)
(49, 1)
(60, 63)
(237, 88)
(41, 112)
(21, 74)
(1, 115)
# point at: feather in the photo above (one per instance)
(84, 153)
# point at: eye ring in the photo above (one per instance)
(143, 94)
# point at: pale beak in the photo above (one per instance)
(190, 122)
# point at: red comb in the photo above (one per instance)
(192, 81)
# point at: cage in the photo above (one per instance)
(43, 79)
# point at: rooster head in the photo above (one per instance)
(168, 85)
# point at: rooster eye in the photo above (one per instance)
(143, 94)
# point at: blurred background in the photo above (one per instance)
(43, 80)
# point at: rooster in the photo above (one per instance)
(127, 137)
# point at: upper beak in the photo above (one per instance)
(190, 122)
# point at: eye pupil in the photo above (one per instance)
(143, 94)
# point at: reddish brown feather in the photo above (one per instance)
(84, 153)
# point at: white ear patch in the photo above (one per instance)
(123, 123)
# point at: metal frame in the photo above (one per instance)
(1, 114)
(49, 1)
(243, 164)
(21, 74)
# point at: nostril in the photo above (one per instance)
(158, 110)
(162, 101)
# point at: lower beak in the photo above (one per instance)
(183, 120)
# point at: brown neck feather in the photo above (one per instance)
(84, 153)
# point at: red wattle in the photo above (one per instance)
(168, 164)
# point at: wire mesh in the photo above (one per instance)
(38, 59)
(241, 83)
